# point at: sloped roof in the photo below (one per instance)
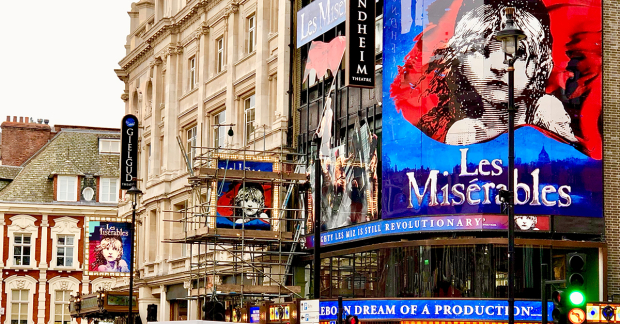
(9, 172)
(70, 152)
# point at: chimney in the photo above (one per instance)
(39, 121)
(8, 118)
(21, 141)
(46, 121)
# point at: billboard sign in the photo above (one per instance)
(129, 151)
(360, 61)
(318, 17)
(445, 92)
(435, 309)
(109, 246)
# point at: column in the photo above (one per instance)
(262, 70)
(171, 154)
(284, 64)
(232, 39)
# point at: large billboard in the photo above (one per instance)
(445, 120)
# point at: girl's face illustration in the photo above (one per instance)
(112, 251)
(525, 223)
(488, 74)
(250, 207)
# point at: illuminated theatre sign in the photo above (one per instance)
(439, 309)
(444, 99)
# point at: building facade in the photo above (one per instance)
(419, 239)
(68, 179)
(201, 76)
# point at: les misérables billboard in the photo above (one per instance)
(444, 103)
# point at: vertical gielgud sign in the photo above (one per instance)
(360, 54)
(129, 151)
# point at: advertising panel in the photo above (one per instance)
(244, 205)
(109, 248)
(440, 309)
(445, 91)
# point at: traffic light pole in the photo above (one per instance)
(317, 220)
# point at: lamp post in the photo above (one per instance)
(510, 37)
(134, 192)
(317, 219)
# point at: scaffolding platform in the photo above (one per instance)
(242, 247)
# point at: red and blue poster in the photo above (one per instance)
(445, 118)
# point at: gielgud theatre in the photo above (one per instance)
(412, 224)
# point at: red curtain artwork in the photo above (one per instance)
(575, 78)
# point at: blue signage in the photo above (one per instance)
(435, 309)
(411, 225)
(254, 314)
(318, 17)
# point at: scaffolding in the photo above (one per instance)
(242, 252)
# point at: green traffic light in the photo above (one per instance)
(576, 298)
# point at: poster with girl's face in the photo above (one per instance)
(109, 246)
(445, 98)
(244, 205)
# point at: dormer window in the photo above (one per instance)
(67, 188)
(108, 190)
(109, 146)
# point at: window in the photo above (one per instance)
(109, 146)
(19, 306)
(220, 55)
(67, 188)
(251, 33)
(108, 191)
(149, 163)
(219, 132)
(192, 73)
(61, 307)
(64, 251)
(249, 116)
(21, 248)
(379, 34)
(191, 143)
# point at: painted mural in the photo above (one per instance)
(445, 97)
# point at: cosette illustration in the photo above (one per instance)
(109, 247)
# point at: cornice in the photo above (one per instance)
(181, 21)
(54, 209)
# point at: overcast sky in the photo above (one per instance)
(58, 60)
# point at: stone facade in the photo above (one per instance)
(188, 65)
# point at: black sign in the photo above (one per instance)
(360, 59)
(129, 151)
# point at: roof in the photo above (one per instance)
(70, 152)
(9, 172)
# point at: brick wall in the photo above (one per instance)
(21, 139)
(611, 140)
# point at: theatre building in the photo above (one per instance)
(412, 224)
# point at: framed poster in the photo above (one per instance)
(108, 246)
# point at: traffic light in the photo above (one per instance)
(560, 309)
(214, 311)
(351, 319)
(575, 279)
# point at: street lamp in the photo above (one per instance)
(134, 192)
(510, 37)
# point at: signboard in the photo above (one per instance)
(576, 316)
(602, 313)
(309, 311)
(444, 309)
(318, 17)
(254, 314)
(129, 151)
(109, 247)
(360, 53)
(444, 97)
(429, 224)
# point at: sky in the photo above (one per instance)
(59, 59)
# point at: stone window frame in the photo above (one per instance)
(16, 282)
(61, 284)
(22, 224)
(66, 226)
(101, 192)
